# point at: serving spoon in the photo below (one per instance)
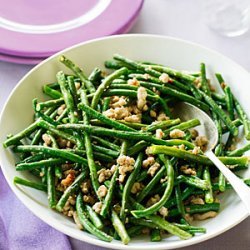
(186, 111)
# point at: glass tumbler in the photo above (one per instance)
(227, 17)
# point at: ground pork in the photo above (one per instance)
(137, 187)
(162, 117)
(141, 98)
(102, 191)
(159, 133)
(164, 78)
(176, 133)
(133, 82)
(207, 215)
(153, 200)
(152, 170)
(148, 162)
(187, 170)
(97, 207)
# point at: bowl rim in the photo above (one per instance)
(95, 241)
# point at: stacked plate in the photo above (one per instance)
(30, 31)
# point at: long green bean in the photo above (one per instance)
(89, 85)
(179, 153)
(154, 208)
(83, 217)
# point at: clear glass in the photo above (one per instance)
(228, 17)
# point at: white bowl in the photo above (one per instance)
(17, 114)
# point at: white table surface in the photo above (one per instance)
(182, 19)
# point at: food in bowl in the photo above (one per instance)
(95, 145)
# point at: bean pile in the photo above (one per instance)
(109, 153)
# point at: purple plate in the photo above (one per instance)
(20, 60)
(41, 28)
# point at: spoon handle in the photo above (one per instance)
(238, 185)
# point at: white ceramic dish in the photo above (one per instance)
(17, 114)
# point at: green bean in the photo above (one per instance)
(106, 102)
(194, 181)
(119, 228)
(38, 164)
(132, 90)
(156, 235)
(162, 124)
(113, 64)
(95, 76)
(106, 151)
(191, 229)
(125, 135)
(194, 209)
(43, 172)
(94, 217)
(183, 126)
(179, 202)
(94, 114)
(223, 116)
(189, 79)
(37, 136)
(175, 93)
(71, 190)
(219, 78)
(154, 181)
(119, 81)
(218, 97)
(137, 66)
(73, 90)
(108, 198)
(30, 158)
(236, 122)
(79, 73)
(129, 184)
(134, 231)
(88, 146)
(172, 82)
(143, 222)
(64, 154)
(204, 82)
(229, 102)
(14, 140)
(37, 173)
(179, 153)
(142, 176)
(145, 77)
(243, 116)
(208, 193)
(68, 98)
(154, 208)
(105, 84)
(45, 117)
(98, 155)
(54, 130)
(83, 218)
(174, 73)
(55, 94)
(239, 151)
(35, 185)
(133, 125)
(106, 143)
(58, 169)
(51, 187)
(50, 103)
(165, 225)
(138, 147)
(129, 93)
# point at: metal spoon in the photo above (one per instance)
(186, 111)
